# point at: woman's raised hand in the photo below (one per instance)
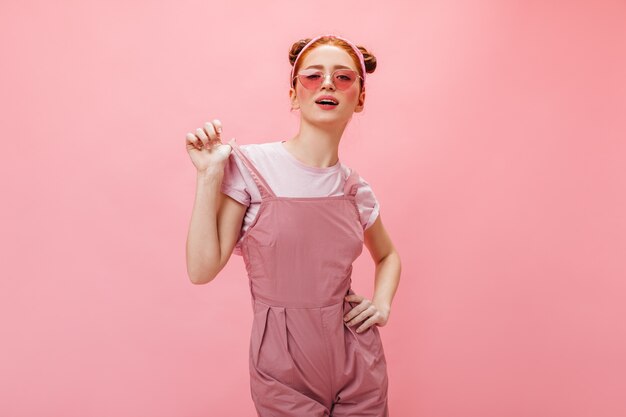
(205, 147)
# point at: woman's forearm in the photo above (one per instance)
(387, 280)
(203, 246)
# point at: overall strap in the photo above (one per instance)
(262, 185)
(352, 183)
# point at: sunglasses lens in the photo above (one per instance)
(311, 80)
(342, 79)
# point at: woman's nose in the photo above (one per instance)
(328, 81)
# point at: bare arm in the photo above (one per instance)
(213, 230)
(388, 270)
(216, 218)
(388, 266)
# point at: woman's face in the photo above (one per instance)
(350, 100)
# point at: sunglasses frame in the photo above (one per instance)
(308, 72)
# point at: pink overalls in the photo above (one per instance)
(304, 360)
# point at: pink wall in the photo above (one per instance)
(493, 135)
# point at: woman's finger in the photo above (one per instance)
(365, 312)
(354, 298)
(218, 127)
(193, 139)
(210, 130)
(202, 136)
(367, 323)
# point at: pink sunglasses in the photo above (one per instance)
(311, 79)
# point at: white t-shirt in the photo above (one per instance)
(287, 176)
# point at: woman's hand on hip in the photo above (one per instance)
(365, 310)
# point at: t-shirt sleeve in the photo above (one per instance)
(368, 205)
(233, 183)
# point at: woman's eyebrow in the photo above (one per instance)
(321, 66)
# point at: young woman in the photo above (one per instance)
(299, 218)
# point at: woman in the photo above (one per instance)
(299, 218)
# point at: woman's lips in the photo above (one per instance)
(327, 106)
(326, 99)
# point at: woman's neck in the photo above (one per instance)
(316, 147)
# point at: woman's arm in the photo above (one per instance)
(213, 230)
(388, 266)
(388, 270)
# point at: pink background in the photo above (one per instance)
(493, 135)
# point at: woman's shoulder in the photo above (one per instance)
(257, 146)
(369, 206)
(258, 150)
(347, 170)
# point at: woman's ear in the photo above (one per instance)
(294, 99)
(361, 103)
